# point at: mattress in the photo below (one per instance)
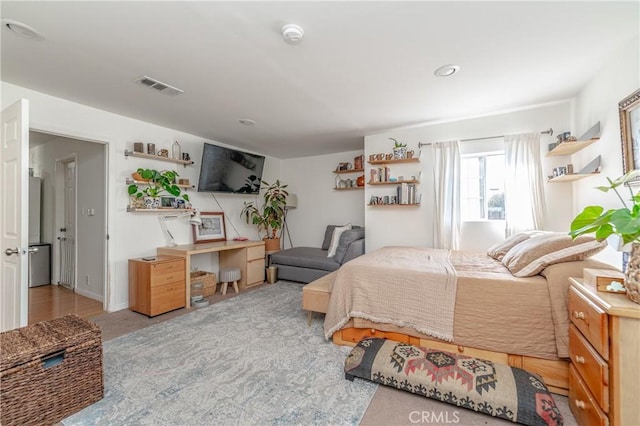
(496, 311)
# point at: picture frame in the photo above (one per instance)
(211, 229)
(168, 202)
(629, 109)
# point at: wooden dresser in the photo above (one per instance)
(604, 346)
(157, 286)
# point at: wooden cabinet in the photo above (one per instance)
(156, 286)
(604, 347)
(250, 261)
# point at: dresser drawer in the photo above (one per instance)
(167, 297)
(162, 279)
(593, 370)
(255, 253)
(582, 404)
(591, 321)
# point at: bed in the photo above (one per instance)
(468, 302)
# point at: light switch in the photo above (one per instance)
(91, 212)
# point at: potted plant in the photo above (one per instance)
(623, 222)
(155, 184)
(399, 149)
(270, 217)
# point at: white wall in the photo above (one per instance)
(131, 234)
(90, 193)
(414, 225)
(319, 205)
(598, 101)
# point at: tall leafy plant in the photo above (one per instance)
(270, 216)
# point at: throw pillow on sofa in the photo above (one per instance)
(347, 238)
(335, 239)
(328, 234)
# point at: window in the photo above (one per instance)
(482, 187)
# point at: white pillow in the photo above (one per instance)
(335, 239)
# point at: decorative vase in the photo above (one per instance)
(632, 274)
(399, 153)
(152, 202)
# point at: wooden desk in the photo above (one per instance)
(246, 255)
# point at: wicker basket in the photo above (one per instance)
(49, 370)
(208, 280)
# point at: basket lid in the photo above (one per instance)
(34, 341)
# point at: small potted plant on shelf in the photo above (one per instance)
(151, 184)
(623, 222)
(270, 217)
(399, 149)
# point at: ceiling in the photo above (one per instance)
(362, 68)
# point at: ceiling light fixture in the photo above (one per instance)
(21, 30)
(446, 70)
(247, 121)
(292, 33)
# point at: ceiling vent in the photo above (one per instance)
(158, 85)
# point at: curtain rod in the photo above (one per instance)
(544, 132)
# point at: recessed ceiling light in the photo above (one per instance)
(247, 121)
(292, 33)
(21, 30)
(446, 70)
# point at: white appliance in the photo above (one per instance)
(35, 197)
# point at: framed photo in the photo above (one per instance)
(211, 229)
(629, 109)
(168, 202)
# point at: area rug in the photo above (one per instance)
(247, 360)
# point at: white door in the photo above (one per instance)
(14, 223)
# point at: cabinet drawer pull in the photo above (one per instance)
(578, 315)
(580, 404)
(579, 359)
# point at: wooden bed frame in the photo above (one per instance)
(315, 298)
(554, 372)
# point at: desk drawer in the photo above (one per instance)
(167, 297)
(583, 406)
(167, 267)
(592, 368)
(255, 272)
(169, 277)
(255, 252)
(591, 321)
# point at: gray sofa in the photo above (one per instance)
(306, 264)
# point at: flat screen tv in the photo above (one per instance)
(227, 170)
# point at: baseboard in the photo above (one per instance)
(89, 294)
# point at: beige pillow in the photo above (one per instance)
(531, 256)
(498, 250)
(335, 239)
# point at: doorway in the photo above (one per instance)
(74, 175)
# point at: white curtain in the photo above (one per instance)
(446, 173)
(524, 184)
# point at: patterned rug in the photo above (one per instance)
(495, 389)
(247, 360)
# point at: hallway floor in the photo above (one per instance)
(51, 301)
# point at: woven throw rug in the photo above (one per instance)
(495, 389)
(247, 360)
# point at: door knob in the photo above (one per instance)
(9, 251)
(33, 249)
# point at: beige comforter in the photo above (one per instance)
(392, 285)
(493, 309)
